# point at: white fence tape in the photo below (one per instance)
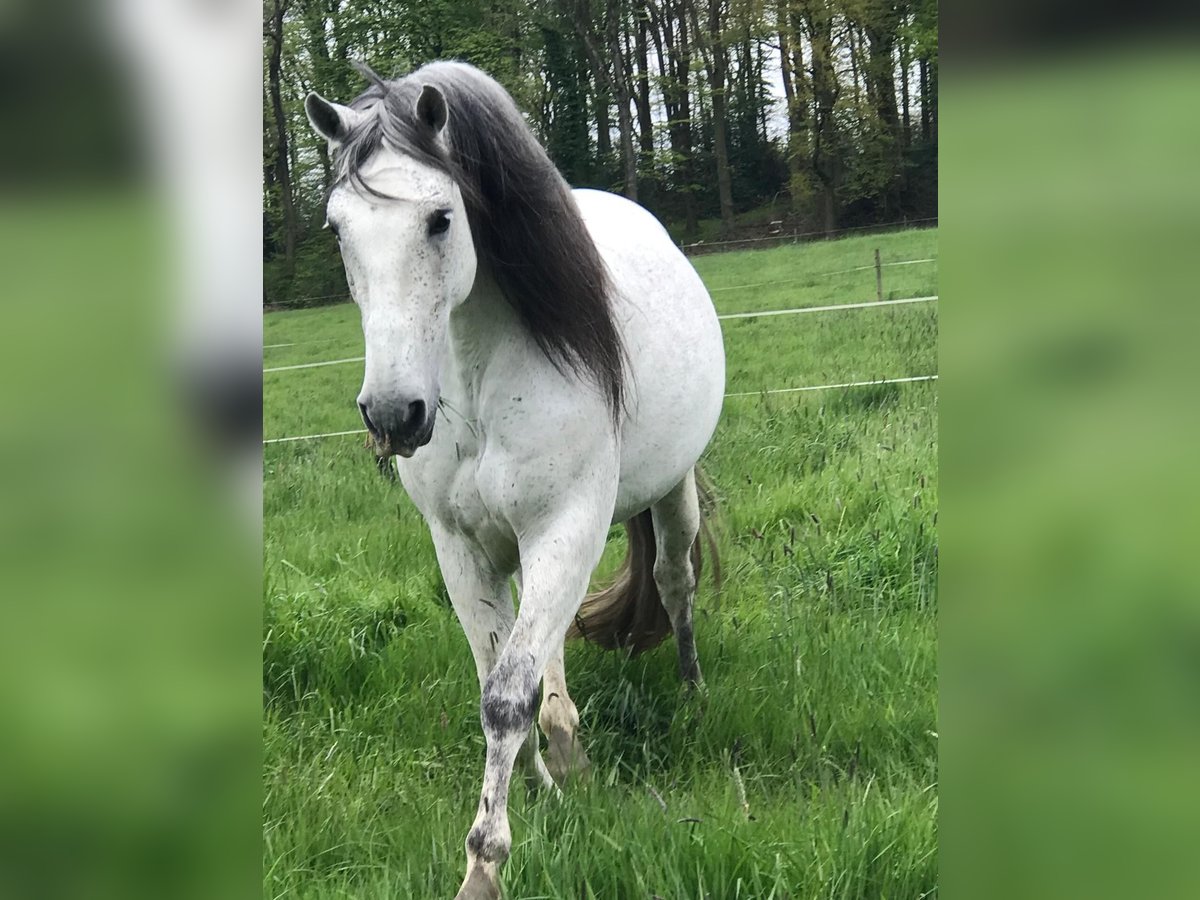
(794, 236)
(743, 315)
(744, 287)
(816, 309)
(316, 365)
(827, 387)
(735, 287)
(796, 390)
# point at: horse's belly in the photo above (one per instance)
(675, 351)
(678, 403)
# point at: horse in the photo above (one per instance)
(578, 365)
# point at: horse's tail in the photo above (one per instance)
(628, 614)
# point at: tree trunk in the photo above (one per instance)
(567, 126)
(624, 94)
(924, 84)
(932, 88)
(798, 73)
(880, 34)
(628, 153)
(687, 145)
(317, 19)
(785, 62)
(819, 18)
(791, 61)
(905, 65)
(283, 175)
(854, 66)
(721, 152)
(612, 75)
(761, 101)
(717, 63)
(672, 43)
(603, 123)
(645, 118)
(791, 27)
(644, 112)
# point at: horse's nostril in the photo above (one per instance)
(362, 408)
(416, 414)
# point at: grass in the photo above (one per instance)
(819, 653)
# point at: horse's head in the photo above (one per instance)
(401, 224)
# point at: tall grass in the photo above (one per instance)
(808, 766)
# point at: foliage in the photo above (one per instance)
(670, 101)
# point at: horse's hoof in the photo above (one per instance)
(482, 883)
(566, 760)
(542, 783)
(694, 693)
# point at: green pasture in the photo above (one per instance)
(808, 766)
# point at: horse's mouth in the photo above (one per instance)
(387, 445)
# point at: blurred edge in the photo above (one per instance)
(1070, 629)
(130, 429)
(130, 686)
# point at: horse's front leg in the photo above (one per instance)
(556, 562)
(483, 604)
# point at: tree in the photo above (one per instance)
(566, 109)
(281, 173)
(670, 30)
(684, 82)
(607, 58)
(818, 16)
(716, 64)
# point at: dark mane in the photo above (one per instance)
(525, 223)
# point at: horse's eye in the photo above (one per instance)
(439, 222)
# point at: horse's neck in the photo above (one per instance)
(477, 328)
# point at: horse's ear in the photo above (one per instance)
(431, 108)
(330, 120)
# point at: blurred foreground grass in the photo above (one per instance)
(1070, 624)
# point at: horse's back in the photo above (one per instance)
(676, 357)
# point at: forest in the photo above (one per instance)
(717, 115)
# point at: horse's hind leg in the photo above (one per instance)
(676, 527)
(559, 721)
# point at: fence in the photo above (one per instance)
(763, 313)
(878, 266)
(783, 235)
(701, 248)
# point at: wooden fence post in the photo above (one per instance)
(878, 276)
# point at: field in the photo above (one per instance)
(808, 767)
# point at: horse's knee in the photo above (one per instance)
(676, 582)
(509, 699)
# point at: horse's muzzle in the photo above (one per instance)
(398, 427)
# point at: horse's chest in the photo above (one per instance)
(464, 506)
(448, 491)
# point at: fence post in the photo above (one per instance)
(878, 276)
